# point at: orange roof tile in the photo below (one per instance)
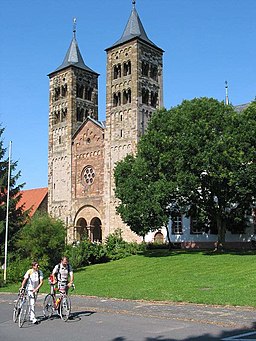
(32, 198)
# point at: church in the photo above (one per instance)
(83, 151)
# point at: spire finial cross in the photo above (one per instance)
(74, 27)
(226, 98)
(133, 2)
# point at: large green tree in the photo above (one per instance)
(17, 216)
(202, 152)
(142, 201)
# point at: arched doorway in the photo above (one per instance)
(81, 229)
(96, 231)
(159, 238)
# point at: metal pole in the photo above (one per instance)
(7, 211)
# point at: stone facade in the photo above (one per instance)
(134, 91)
(83, 151)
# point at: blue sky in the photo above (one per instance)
(206, 42)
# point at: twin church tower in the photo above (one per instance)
(82, 150)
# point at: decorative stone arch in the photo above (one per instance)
(159, 238)
(96, 230)
(89, 214)
(81, 229)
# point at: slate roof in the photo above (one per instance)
(134, 29)
(241, 107)
(32, 199)
(73, 58)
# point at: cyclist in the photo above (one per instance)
(63, 274)
(33, 280)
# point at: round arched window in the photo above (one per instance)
(88, 175)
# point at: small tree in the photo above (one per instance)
(42, 239)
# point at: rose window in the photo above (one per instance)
(88, 175)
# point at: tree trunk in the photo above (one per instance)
(221, 225)
(168, 237)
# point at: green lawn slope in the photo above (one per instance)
(181, 276)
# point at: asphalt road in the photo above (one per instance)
(95, 319)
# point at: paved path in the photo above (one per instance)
(177, 319)
(226, 316)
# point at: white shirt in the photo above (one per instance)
(34, 277)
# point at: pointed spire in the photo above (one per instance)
(73, 55)
(226, 98)
(133, 29)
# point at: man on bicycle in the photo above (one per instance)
(33, 280)
(63, 274)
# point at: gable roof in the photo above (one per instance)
(101, 125)
(134, 29)
(32, 199)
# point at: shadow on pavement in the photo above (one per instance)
(238, 334)
(78, 314)
(74, 317)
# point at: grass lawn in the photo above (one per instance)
(181, 276)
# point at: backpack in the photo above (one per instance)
(29, 273)
(58, 270)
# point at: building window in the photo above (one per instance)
(117, 71)
(145, 69)
(153, 72)
(127, 96)
(63, 114)
(177, 224)
(56, 117)
(154, 97)
(79, 114)
(56, 93)
(199, 227)
(127, 68)
(88, 94)
(80, 91)
(64, 90)
(116, 99)
(145, 96)
(88, 175)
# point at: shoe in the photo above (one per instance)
(34, 321)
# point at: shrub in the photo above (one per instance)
(117, 248)
(85, 253)
(17, 269)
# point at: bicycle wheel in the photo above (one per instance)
(24, 308)
(48, 307)
(65, 308)
(16, 309)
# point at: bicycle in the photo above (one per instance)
(17, 305)
(60, 303)
(21, 307)
(24, 309)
